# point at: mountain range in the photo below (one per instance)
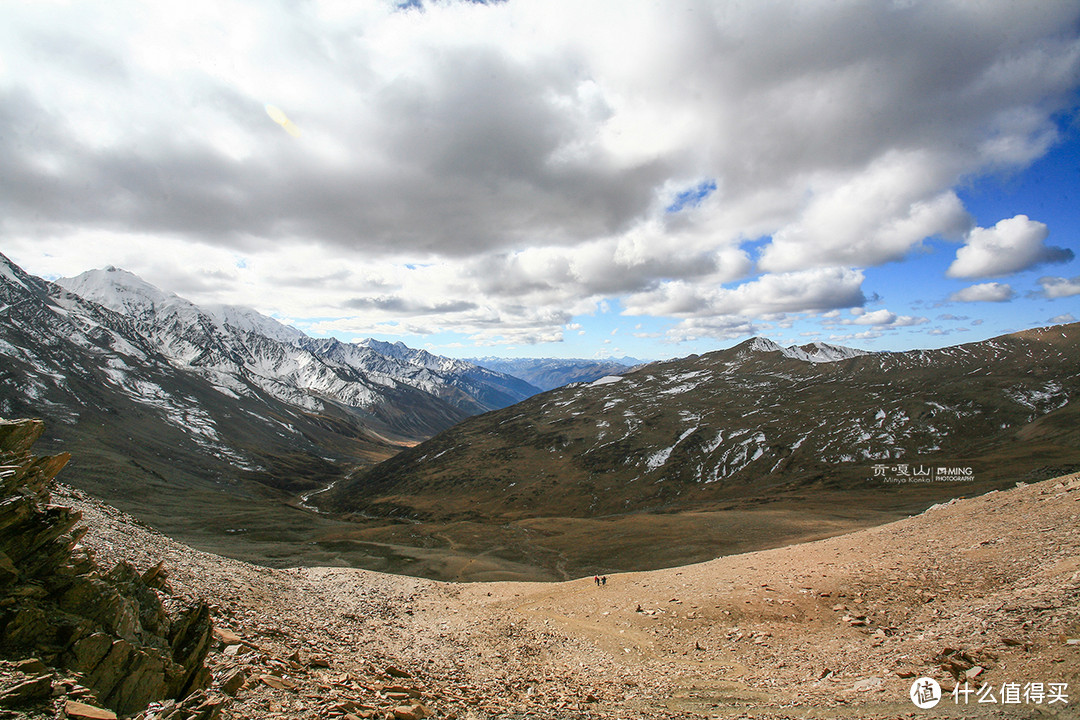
(229, 429)
(225, 344)
(816, 431)
(550, 373)
(179, 412)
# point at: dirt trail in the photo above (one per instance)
(833, 628)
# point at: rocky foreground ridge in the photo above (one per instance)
(68, 628)
(983, 591)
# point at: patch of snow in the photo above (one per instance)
(658, 458)
(680, 389)
(8, 273)
(1050, 398)
(226, 391)
(761, 344)
(717, 441)
(10, 350)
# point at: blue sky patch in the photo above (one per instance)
(692, 197)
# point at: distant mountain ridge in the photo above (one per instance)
(747, 422)
(550, 373)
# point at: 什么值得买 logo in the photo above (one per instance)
(925, 693)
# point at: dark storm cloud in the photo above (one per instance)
(469, 146)
(525, 153)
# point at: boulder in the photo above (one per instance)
(234, 681)
(73, 709)
(57, 604)
(411, 712)
(30, 691)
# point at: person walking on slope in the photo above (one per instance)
(596, 579)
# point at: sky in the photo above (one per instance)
(556, 178)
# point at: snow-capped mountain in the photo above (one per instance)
(750, 422)
(468, 387)
(817, 352)
(90, 373)
(234, 346)
(168, 405)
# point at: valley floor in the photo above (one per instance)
(986, 588)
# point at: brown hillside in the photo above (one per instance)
(986, 588)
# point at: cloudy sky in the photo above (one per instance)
(556, 177)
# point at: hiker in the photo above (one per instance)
(603, 580)
(596, 579)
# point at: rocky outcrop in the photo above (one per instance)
(129, 642)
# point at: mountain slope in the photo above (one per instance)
(138, 420)
(838, 628)
(210, 423)
(750, 422)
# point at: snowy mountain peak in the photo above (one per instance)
(127, 293)
(121, 291)
(412, 356)
(817, 352)
(7, 274)
(247, 320)
(824, 352)
(763, 344)
(397, 349)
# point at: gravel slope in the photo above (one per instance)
(987, 587)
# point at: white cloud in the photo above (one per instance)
(883, 318)
(496, 169)
(1012, 245)
(722, 328)
(871, 218)
(872, 334)
(1059, 287)
(984, 292)
(816, 290)
(1061, 319)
